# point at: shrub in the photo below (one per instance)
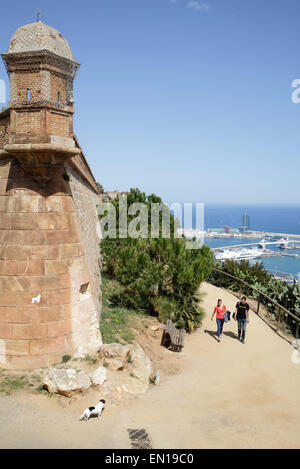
(158, 275)
(258, 277)
(66, 358)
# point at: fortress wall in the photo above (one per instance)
(86, 200)
(48, 251)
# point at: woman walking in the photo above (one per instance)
(220, 311)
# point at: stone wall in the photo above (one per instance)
(28, 123)
(4, 129)
(27, 81)
(58, 84)
(86, 200)
(60, 124)
(47, 258)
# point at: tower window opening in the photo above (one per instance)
(58, 96)
(28, 94)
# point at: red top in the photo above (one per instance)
(220, 311)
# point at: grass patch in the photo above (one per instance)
(66, 358)
(90, 360)
(40, 389)
(118, 324)
(13, 383)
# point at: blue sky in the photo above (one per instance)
(190, 100)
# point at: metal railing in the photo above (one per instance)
(281, 310)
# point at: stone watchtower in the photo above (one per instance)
(49, 231)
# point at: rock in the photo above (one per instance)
(115, 355)
(85, 350)
(142, 368)
(134, 386)
(99, 376)
(66, 382)
(84, 380)
(113, 391)
(155, 328)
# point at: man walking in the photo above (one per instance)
(242, 317)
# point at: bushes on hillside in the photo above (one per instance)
(258, 277)
(158, 275)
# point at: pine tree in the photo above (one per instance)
(157, 275)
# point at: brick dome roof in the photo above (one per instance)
(38, 36)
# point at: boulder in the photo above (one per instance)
(99, 376)
(142, 367)
(139, 380)
(84, 380)
(115, 355)
(134, 386)
(112, 391)
(66, 382)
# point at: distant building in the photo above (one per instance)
(246, 223)
(227, 229)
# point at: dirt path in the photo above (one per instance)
(226, 395)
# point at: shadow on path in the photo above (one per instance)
(231, 334)
(228, 334)
(212, 334)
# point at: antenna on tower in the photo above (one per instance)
(38, 15)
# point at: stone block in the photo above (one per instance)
(22, 221)
(45, 252)
(17, 252)
(7, 203)
(28, 203)
(62, 236)
(17, 347)
(60, 328)
(53, 204)
(57, 266)
(5, 221)
(31, 267)
(29, 331)
(6, 331)
(49, 345)
(59, 297)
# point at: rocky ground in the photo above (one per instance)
(118, 370)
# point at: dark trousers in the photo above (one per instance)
(220, 323)
(242, 328)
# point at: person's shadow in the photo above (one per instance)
(231, 334)
(212, 334)
(215, 335)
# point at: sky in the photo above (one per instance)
(190, 100)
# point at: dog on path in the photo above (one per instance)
(93, 411)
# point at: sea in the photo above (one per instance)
(275, 219)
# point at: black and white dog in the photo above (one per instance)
(97, 411)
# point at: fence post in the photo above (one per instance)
(278, 318)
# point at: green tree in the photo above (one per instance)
(100, 188)
(158, 275)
